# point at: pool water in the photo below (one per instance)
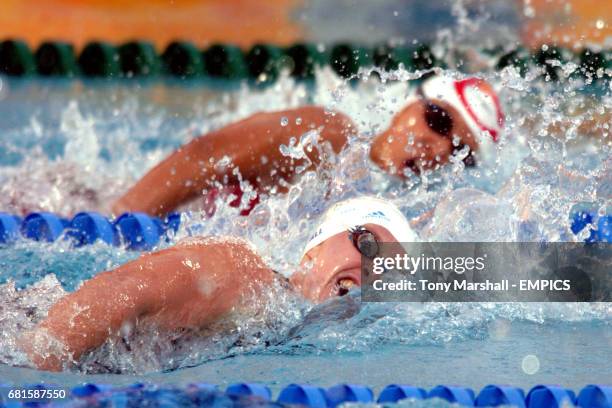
(68, 146)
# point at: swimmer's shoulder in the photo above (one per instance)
(228, 247)
(232, 255)
(208, 240)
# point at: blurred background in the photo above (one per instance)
(245, 22)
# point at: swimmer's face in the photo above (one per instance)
(333, 267)
(421, 137)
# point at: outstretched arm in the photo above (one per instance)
(252, 145)
(187, 286)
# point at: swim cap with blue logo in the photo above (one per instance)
(359, 211)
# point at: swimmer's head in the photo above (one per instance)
(331, 263)
(444, 117)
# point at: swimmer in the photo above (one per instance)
(441, 117)
(203, 280)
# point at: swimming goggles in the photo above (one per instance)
(440, 121)
(364, 241)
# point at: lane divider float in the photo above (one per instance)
(141, 232)
(247, 394)
(135, 231)
(263, 62)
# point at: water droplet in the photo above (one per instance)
(600, 24)
(284, 121)
(298, 120)
(530, 364)
(601, 212)
(222, 164)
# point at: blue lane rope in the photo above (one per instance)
(139, 231)
(247, 394)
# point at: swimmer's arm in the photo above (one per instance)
(188, 286)
(252, 145)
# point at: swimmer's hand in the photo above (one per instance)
(188, 286)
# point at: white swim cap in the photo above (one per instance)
(477, 103)
(359, 211)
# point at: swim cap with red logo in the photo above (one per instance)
(477, 103)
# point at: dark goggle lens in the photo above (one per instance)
(365, 242)
(438, 119)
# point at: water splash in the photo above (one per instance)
(20, 311)
(555, 156)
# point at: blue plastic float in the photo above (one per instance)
(394, 393)
(89, 389)
(496, 395)
(139, 231)
(342, 393)
(306, 395)
(603, 230)
(88, 227)
(9, 227)
(455, 395)
(549, 396)
(595, 396)
(253, 394)
(249, 389)
(43, 226)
